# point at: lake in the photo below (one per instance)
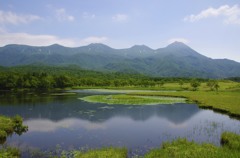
(68, 122)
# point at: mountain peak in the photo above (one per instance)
(99, 45)
(140, 46)
(177, 44)
(55, 46)
(180, 49)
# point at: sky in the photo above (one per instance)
(212, 28)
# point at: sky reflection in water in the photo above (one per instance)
(72, 123)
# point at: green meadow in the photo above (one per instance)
(223, 101)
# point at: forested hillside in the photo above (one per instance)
(175, 60)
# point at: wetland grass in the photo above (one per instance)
(231, 141)
(102, 153)
(181, 148)
(132, 99)
(9, 126)
(223, 101)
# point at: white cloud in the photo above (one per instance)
(120, 17)
(13, 18)
(62, 15)
(44, 40)
(183, 40)
(45, 125)
(86, 15)
(231, 14)
(34, 40)
(93, 39)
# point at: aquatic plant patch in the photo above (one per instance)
(132, 99)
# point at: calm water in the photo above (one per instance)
(68, 122)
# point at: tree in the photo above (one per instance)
(213, 85)
(161, 83)
(11, 81)
(116, 83)
(195, 84)
(181, 83)
(63, 81)
(46, 82)
(216, 86)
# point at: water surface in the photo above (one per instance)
(71, 123)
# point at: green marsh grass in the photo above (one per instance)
(224, 85)
(231, 141)
(132, 99)
(102, 153)
(9, 126)
(9, 152)
(181, 148)
(223, 101)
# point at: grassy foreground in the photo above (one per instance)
(223, 101)
(182, 148)
(102, 153)
(9, 153)
(132, 99)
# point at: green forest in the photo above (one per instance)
(49, 77)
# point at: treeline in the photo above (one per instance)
(47, 77)
(235, 79)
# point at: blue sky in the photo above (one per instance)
(210, 27)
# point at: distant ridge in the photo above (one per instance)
(174, 60)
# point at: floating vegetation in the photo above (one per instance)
(89, 112)
(132, 99)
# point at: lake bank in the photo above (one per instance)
(223, 102)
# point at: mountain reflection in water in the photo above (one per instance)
(72, 123)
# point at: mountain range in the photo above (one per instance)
(175, 60)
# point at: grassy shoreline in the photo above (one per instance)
(181, 148)
(223, 102)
